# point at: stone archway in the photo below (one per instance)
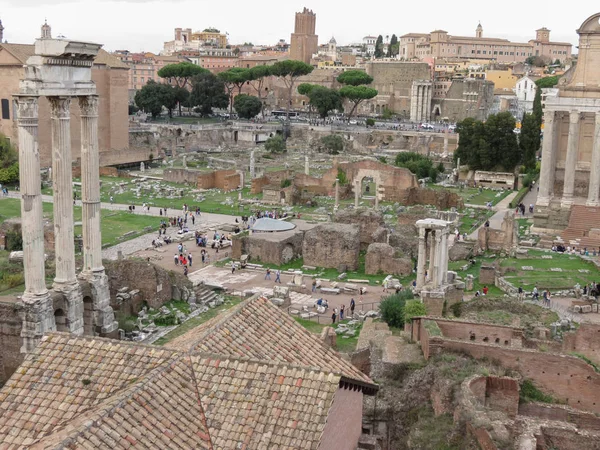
(437, 111)
(88, 316)
(60, 319)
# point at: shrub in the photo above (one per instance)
(14, 280)
(392, 308)
(332, 144)
(530, 393)
(414, 308)
(14, 241)
(370, 122)
(418, 164)
(456, 309)
(276, 144)
(286, 183)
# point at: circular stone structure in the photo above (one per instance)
(272, 225)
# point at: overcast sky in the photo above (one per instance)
(139, 25)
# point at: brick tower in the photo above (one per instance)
(304, 41)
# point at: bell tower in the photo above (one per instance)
(46, 31)
(1, 32)
(479, 31)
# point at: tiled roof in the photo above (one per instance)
(22, 52)
(65, 376)
(263, 404)
(257, 329)
(265, 386)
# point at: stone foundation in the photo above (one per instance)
(332, 245)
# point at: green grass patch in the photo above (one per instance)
(311, 325)
(344, 344)
(587, 360)
(432, 328)
(530, 393)
(230, 302)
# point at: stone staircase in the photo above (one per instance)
(204, 294)
(584, 227)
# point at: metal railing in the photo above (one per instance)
(325, 318)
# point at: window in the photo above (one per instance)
(5, 109)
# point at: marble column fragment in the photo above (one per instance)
(571, 160)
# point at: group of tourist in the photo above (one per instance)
(521, 209)
(335, 316)
(560, 248)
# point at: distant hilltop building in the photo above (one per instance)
(198, 40)
(439, 44)
(304, 42)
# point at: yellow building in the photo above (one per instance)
(502, 79)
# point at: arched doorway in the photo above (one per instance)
(367, 187)
(437, 112)
(60, 318)
(88, 316)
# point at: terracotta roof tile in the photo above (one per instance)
(256, 328)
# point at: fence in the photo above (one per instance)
(325, 319)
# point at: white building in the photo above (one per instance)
(525, 92)
(369, 42)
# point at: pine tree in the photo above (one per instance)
(379, 47)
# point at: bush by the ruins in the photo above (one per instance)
(530, 393)
(247, 106)
(332, 144)
(418, 164)
(414, 308)
(276, 144)
(393, 308)
(14, 241)
(370, 122)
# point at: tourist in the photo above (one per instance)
(535, 294)
(193, 220)
(176, 258)
(190, 259)
(333, 316)
(352, 306)
(342, 312)
(207, 258)
(485, 290)
(278, 276)
(203, 256)
(545, 296)
(185, 271)
(232, 267)
(521, 293)
(314, 285)
(112, 200)
(268, 274)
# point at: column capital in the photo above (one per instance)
(549, 116)
(575, 116)
(89, 105)
(60, 107)
(27, 107)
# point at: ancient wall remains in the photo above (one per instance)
(270, 178)
(271, 248)
(381, 258)
(480, 332)
(332, 245)
(181, 176)
(227, 180)
(10, 340)
(585, 340)
(505, 239)
(369, 221)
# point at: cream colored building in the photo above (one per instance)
(185, 39)
(111, 78)
(569, 188)
(440, 44)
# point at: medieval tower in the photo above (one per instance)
(304, 41)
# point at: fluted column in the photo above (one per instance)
(594, 184)
(432, 250)
(437, 259)
(547, 168)
(443, 251)
(428, 89)
(65, 280)
(37, 315)
(419, 103)
(571, 160)
(422, 258)
(357, 187)
(337, 194)
(90, 185)
(62, 183)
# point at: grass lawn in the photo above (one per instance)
(230, 302)
(543, 277)
(343, 344)
(472, 196)
(474, 270)
(469, 224)
(114, 223)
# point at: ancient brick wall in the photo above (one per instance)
(332, 245)
(586, 340)
(219, 179)
(10, 340)
(278, 248)
(502, 394)
(560, 413)
(381, 258)
(482, 437)
(478, 332)
(268, 178)
(558, 438)
(182, 175)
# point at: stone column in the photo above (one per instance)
(103, 322)
(437, 259)
(547, 168)
(594, 185)
(306, 166)
(252, 165)
(337, 194)
(422, 258)
(432, 251)
(428, 89)
(571, 160)
(65, 281)
(376, 196)
(443, 252)
(446, 143)
(413, 102)
(37, 313)
(357, 187)
(419, 103)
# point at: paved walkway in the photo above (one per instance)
(500, 211)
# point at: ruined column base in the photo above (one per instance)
(104, 323)
(37, 314)
(552, 217)
(434, 299)
(73, 303)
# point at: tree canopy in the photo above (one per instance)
(547, 82)
(9, 166)
(256, 77)
(394, 47)
(289, 71)
(356, 95)
(305, 88)
(233, 78)
(181, 72)
(247, 106)
(354, 78)
(324, 100)
(490, 145)
(379, 47)
(418, 164)
(276, 144)
(529, 140)
(208, 92)
(150, 98)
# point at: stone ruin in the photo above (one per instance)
(436, 285)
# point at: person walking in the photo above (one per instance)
(342, 312)
(521, 293)
(278, 276)
(176, 259)
(535, 294)
(190, 259)
(333, 316)
(547, 298)
(314, 285)
(352, 306)
(232, 266)
(268, 274)
(185, 271)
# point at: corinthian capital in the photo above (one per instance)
(60, 107)
(89, 105)
(27, 107)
